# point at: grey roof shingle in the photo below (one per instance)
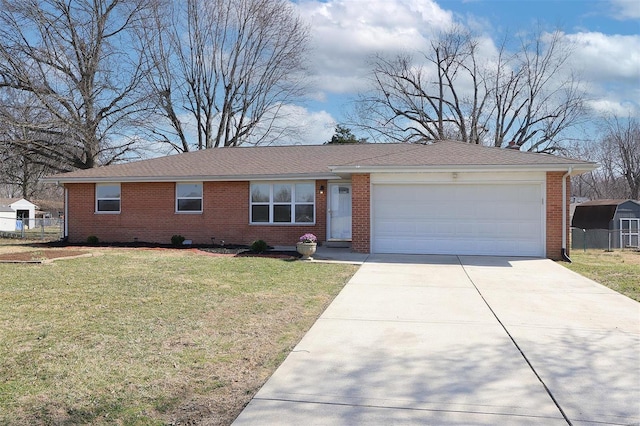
(607, 202)
(314, 161)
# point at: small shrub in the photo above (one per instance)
(259, 246)
(92, 240)
(177, 240)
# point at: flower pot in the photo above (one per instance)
(306, 250)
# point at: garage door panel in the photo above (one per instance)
(499, 219)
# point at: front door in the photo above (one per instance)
(339, 211)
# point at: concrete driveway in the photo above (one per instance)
(461, 340)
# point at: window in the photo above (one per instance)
(108, 198)
(189, 197)
(283, 203)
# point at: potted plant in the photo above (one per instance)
(307, 246)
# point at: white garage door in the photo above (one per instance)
(497, 219)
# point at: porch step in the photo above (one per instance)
(337, 244)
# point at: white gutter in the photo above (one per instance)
(61, 179)
(564, 214)
(463, 168)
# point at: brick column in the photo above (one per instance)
(555, 205)
(361, 215)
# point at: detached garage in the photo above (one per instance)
(472, 216)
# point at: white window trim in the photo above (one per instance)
(96, 211)
(292, 203)
(627, 234)
(201, 198)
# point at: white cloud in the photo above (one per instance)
(610, 64)
(311, 127)
(625, 9)
(607, 57)
(346, 33)
(317, 127)
(607, 107)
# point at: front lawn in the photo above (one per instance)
(150, 336)
(618, 270)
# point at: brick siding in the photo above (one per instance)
(361, 215)
(555, 205)
(148, 215)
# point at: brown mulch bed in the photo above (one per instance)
(247, 253)
(63, 249)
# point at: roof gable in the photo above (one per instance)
(317, 161)
(12, 201)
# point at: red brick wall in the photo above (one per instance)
(148, 214)
(555, 205)
(361, 215)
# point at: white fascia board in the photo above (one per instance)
(147, 179)
(576, 169)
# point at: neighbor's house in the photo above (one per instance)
(445, 197)
(50, 209)
(22, 209)
(606, 224)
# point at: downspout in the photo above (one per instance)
(65, 236)
(565, 256)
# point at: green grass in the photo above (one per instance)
(150, 337)
(618, 270)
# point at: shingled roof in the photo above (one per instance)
(319, 162)
(8, 201)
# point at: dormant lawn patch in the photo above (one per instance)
(618, 270)
(149, 336)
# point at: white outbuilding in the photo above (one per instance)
(12, 209)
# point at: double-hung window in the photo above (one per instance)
(282, 202)
(108, 198)
(189, 197)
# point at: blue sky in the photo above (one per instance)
(345, 33)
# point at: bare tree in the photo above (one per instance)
(622, 147)
(230, 65)
(523, 99)
(19, 172)
(534, 103)
(412, 103)
(600, 183)
(77, 62)
(21, 161)
(617, 152)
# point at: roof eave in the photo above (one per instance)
(574, 168)
(336, 172)
(104, 179)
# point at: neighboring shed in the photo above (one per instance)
(606, 224)
(24, 210)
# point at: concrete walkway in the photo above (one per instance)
(461, 340)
